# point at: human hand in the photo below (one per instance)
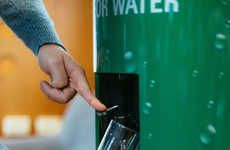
(67, 77)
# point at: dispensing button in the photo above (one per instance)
(108, 111)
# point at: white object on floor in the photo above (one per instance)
(47, 125)
(16, 125)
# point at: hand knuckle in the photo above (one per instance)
(54, 61)
(60, 84)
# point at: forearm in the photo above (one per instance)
(30, 21)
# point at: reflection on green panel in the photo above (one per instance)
(180, 50)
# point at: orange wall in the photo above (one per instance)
(19, 72)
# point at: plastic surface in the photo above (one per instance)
(181, 55)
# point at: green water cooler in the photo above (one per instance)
(166, 63)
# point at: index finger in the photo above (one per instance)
(79, 82)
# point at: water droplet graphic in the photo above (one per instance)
(128, 55)
(211, 104)
(150, 136)
(195, 73)
(130, 67)
(147, 108)
(148, 104)
(205, 138)
(220, 42)
(220, 36)
(225, 2)
(227, 25)
(211, 129)
(221, 75)
(152, 83)
(145, 64)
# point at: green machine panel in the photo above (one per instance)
(180, 52)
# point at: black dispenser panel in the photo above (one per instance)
(120, 92)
